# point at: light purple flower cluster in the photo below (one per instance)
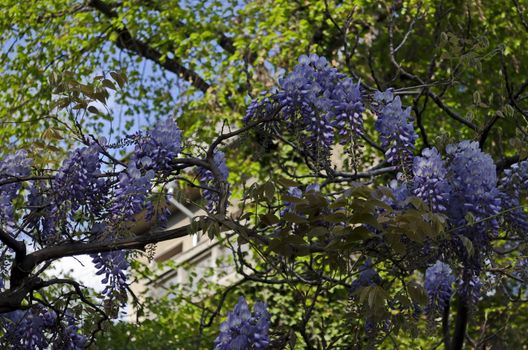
(113, 266)
(430, 180)
(396, 129)
(77, 186)
(318, 99)
(296, 192)
(131, 193)
(473, 180)
(438, 285)
(158, 147)
(511, 185)
(367, 277)
(244, 330)
(78, 182)
(207, 179)
(154, 152)
(70, 338)
(11, 167)
(33, 329)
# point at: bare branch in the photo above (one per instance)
(126, 41)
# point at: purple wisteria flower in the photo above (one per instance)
(244, 330)
(158, 147)
(367, 277)
(473, 180)
(396, 129)
(154, 152)
(315, 98)
(511, 185)
(113, 266)
(438, 285)
(430, 179)
(34, 329)
(77, 182)
(131, 193)
(70, 338)
(11, 167)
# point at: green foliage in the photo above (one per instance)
(82, 61)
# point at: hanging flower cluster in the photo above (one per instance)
(12, 167)
(34, 328)
(317, 101)
(112, 266)
(367, 277)
(430, 180)
(395, 127)
(243, 329)
(438, 285)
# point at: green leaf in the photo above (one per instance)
(468, 245)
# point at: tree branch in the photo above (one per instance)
(18, 246)
(460, 324)
(135, 242)
(126, 41)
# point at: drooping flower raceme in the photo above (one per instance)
(208, 180)
(244, 330)
(25, 329)
(154, 151)
(430, 179)
(438, 285)
(317, 101)
(367, 277)
(396, 129)
(131, 193)
(113, 266)
(473, 180)
(34, 329)
(511, 185)
(158, 147)
(78, 183)
(12, 167)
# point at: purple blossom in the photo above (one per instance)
(347, 109)
(207, 179)
(154, 152)
(367, 277)
(35, 328)
(318, 102)
(396, 129)
(265, 106)
(244, 330)
(24, 329)
(70, 338)
(430, 181)
(78, 183)
(400, 193)
(158, 147)
(438, 281)
(511, 185)
(473, 180)
(131, 194)
(11, 167)
(112, 265)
